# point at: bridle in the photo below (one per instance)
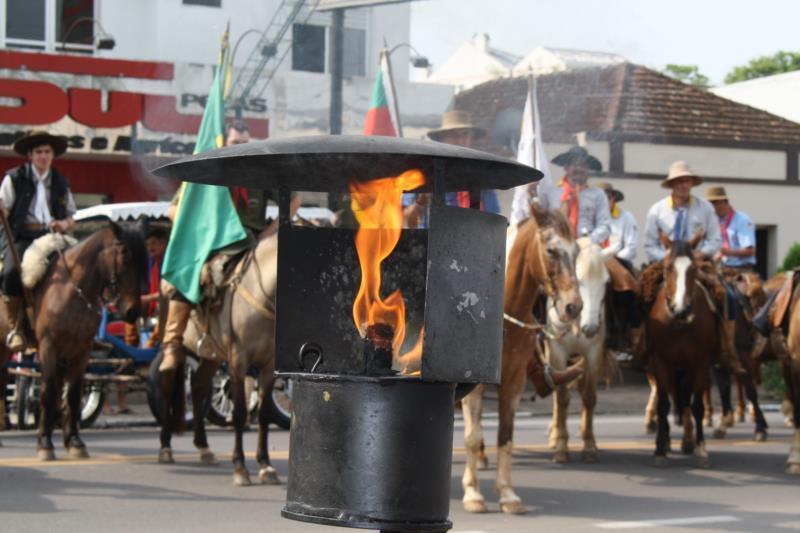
(112, 285)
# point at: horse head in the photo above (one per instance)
(592, 275)
(552, 262)
(680, 275)
(123, 267)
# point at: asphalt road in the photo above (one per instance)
(122, 488)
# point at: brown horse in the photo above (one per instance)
(541, 262)
(107, 266)
(681, 338)
(240, 330)
(790, 366)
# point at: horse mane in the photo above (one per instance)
(134, 239)
(553, 218)
(681, 249)
(590, 265)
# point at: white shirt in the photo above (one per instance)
(624, 235)
(8, 195)
(594, 218)
(701, 218)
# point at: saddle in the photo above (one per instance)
(773, 314)
(40, 254)
(622, 280)
(220, 271)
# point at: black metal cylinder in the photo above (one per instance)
(370, 452)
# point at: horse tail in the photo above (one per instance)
(178, 400)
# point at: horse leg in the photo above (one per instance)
(683, 401)
(3, 385)
(700, 453)
(50, 397)
(76, 449)
(650, 416)
(662, 432)
(267, 474)
(787, 410)
(708, 409)
(791, 374)
(741, 407)
(240, 476)
(752, 395)
(201, 388)
(512, 384)
(723, 378)
(473, 442)
(559, 436)
(168, 385)
(589, 396)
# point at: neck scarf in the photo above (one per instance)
(723, 225)
(240, 199)
(569, 204)
(155, 281)
(40, 209)
(463, 199)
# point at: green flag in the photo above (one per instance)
(206, 219)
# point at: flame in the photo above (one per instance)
(411, 361)
(378, 208)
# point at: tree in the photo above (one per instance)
(765, 66)
(792, 259)
(687, 74)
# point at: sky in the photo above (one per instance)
(716, 35)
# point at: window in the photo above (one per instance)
(308, 48)
(74, 22)
(207, 3)
(25, 21)
(354, 52)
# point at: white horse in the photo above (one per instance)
(586, 339)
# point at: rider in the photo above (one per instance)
(738, 250)
(251, 205)
(682, 216)
(36, 198)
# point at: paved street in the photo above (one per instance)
(122, 488)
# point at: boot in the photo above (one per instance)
(639, 361)
(729, 357)
(15, 340)
(177, 319)
(545, 379)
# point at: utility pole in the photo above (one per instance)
(337, 59)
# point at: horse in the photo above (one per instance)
(109, 265)
(239, 329)
(541, 261)
(586, 339)
(681, 336)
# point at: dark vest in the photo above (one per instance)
(25, 191)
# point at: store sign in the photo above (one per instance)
(38, 90)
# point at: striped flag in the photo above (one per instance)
(382, 117)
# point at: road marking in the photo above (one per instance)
(635, 524)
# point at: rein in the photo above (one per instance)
(112, 283)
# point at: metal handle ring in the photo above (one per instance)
(310, 348)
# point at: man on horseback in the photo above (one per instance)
(251, 205)
(36, 199)
(682, 216)
(738, 250)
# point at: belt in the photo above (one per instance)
(34, 226)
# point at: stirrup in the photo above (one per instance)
(18, 334)
(201, 342)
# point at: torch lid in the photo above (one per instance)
(328, 163)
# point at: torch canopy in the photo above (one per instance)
(327, 163)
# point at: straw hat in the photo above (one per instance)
(716, 193)
(680, 169)
(608, 188)
(38, 138)
(455, 120)
(578, 155)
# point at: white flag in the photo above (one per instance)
(530, 152)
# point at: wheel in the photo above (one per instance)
(92, 401)
(220, 411)
(154, 387)
(26, 402)
(281, 405)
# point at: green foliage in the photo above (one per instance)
(792, 258)
(762, 66)
(687, 74)
(772, 380)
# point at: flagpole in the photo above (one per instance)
(385, 53)
(532, 97)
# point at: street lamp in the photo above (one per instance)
(104, 40)
(417, 61)
(267, 51)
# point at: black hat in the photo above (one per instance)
(38, 138)
(578, 155)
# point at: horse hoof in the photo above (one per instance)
(475, 506)
(514, 507)
(46, 454)
(707, 422)
(702, 461)
(561, 457)
(165, 456)
(589, 456)
(268, 476)
(659, 461)
(793, 469)
(241, 478)
(483, 464)
(207, 458)
(650, 428)
(760, 436)
(727, 421)
(687, 448)
(78, 452)
(719, 433)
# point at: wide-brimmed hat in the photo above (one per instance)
(456, 120)
(38, 138)
(716, 193)
(680, 169)
(608, 188)
(578, 155)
